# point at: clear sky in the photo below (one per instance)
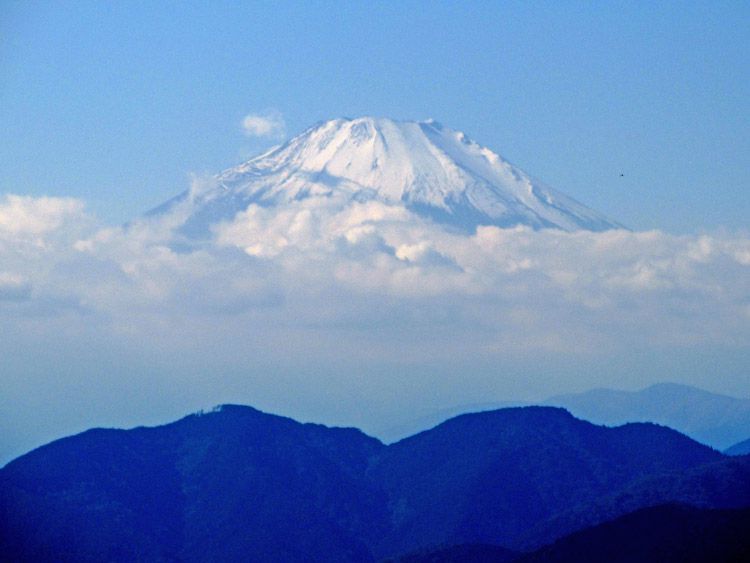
(358, 315)
(117, 102)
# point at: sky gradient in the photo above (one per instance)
(108, 109)
(116, 103)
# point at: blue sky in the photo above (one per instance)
(639, 110)
(117, 102)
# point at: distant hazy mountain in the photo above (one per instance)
(742, 448)
(716, 420)
(431, 170)
(240, 485)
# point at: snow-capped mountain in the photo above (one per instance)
(433, 171)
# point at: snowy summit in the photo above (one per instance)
(433, 171)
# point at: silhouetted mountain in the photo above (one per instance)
(240, 485)
(656, 535)
(492, 476)
(721, 484)
(232, 485)
(716, 420)
(742, 448)
(431, 418)
(665, 533)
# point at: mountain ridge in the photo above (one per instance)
(237, 481)
(720, 421)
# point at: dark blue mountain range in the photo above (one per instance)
(237, 484)
(659, 534)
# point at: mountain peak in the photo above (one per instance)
(432, 170)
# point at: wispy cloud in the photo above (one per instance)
(267, 124)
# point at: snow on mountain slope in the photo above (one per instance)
(431, 170)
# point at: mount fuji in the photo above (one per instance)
(433, 171)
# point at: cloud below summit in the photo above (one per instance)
(289, 262)
(27, 218)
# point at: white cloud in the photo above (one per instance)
(316, 260)
(269, 124)
(32, 218)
